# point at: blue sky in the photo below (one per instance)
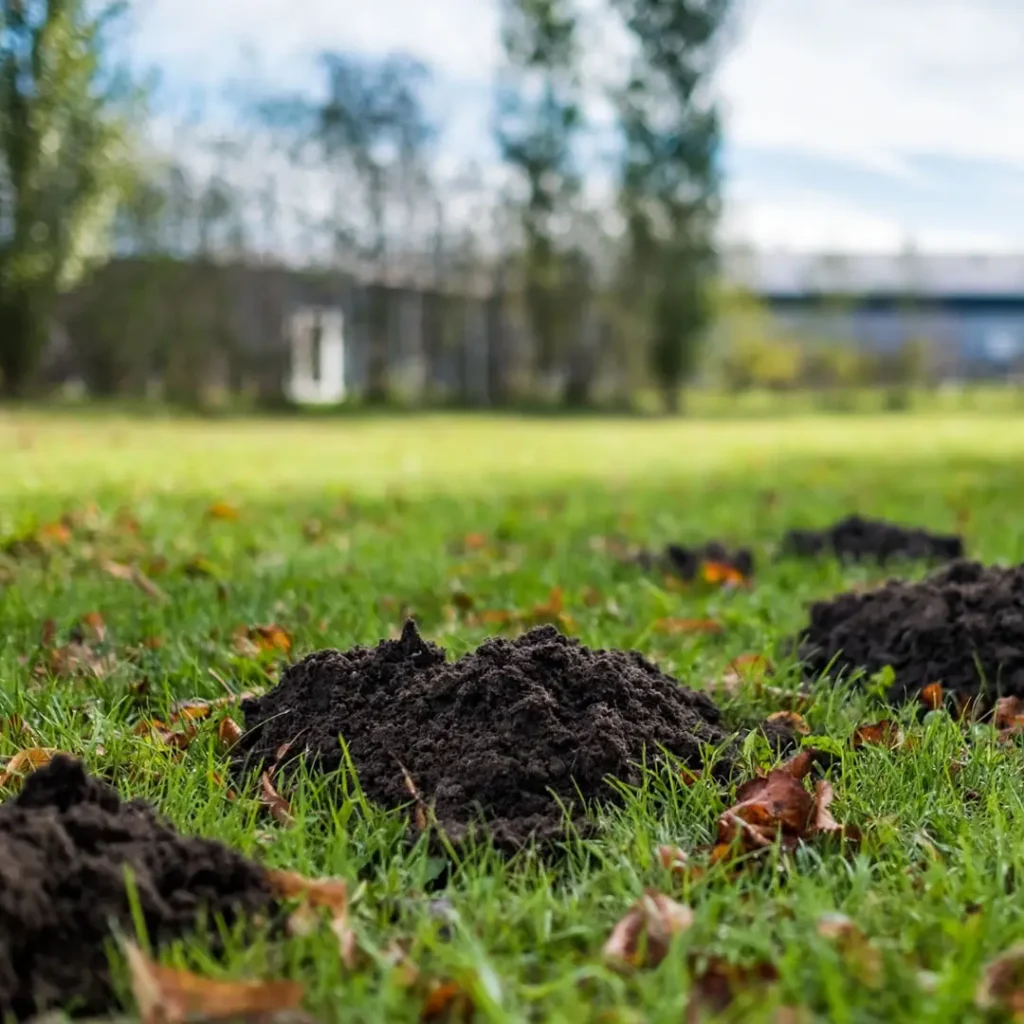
(850, 124)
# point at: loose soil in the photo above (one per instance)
(963, 627)
(688, 562)
(501, 734)
(65, 842)
(857, 539)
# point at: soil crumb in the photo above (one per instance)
(689, 563)
(857, 539)
(963, 627)
(65, 842)
(501, 735)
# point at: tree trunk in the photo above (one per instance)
(23, 338)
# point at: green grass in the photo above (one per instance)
(934, 885)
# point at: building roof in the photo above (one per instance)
(939, 276)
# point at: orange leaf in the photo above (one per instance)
(93, 625)
(642, 938)
(775, 806)
(1008, 711)
(54, 533)
(167, 995)
(882, 734)
(718, 983)
(447, 1000)
(25, 762)
(1002, 985)
(676, 626)
(791, 719)
(931, 696)
(722, 573)
(474, 541)
(271, 638)
(222, 510)
(752, 666)
(275, 803)
(331, 893)
(229, 732)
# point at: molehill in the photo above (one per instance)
(688, 562)
(962, 626)
(65, 842)
(856, 539)
(499, 735)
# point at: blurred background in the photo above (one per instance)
(527, 204)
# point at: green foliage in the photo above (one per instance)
(538, 123)
(64, 162)
(669, 187)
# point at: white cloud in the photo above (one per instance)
(824, 223)
(872, 81)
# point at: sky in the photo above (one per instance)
(850, 125)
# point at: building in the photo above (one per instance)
(969, 309)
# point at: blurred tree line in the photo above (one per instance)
(596, 241)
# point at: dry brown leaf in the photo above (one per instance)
(792, 720)
(447, 1001)
(857, 951)
(168, 995)
(93, 627)
(690, 776)
(133, 574)
(421, 814)
(775, 806)
(279, 808)
(931, 696)
(24, 762)
(675, 626)
(223, 510)
(251, 641)
(199, 707)
(1008, 714)
(643, 936)
(1002, 985)
(330, 893)
(824, 823)
(57, 534)
(229, 732)
(674, 859)
(718, 983)
(882, 734)
(161, 732)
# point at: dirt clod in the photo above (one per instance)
(502, 733)
(963, 627)
(857, 539)
(66, 841)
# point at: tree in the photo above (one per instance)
(669, 184)
(64, 119)
(539, 118)
(373, 132)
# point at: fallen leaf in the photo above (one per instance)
(792, 720)
(1002, 985)
(251, 641)
(824, 823)
(93, 626)
(24, 762)
(689, 776)
(931, 696)
(861, 956)
(474, 541)
(229, 732)
(275, 803)
(132, 574)
(776, 806)
(882, 734)
(643, 936)
(674, 859)
(676, 626)
(1008, 713)
(447, 1000)
(222, 510)
(421, 815)
(168, 995)
(162, 733)
(718, 983)
(330, 893)
(58, 533)
(722, 574)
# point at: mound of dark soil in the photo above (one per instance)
(857, 539)
(963, 627)
(502, 733)
(689, 562)
(65, 842)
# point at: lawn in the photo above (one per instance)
(335, 531)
